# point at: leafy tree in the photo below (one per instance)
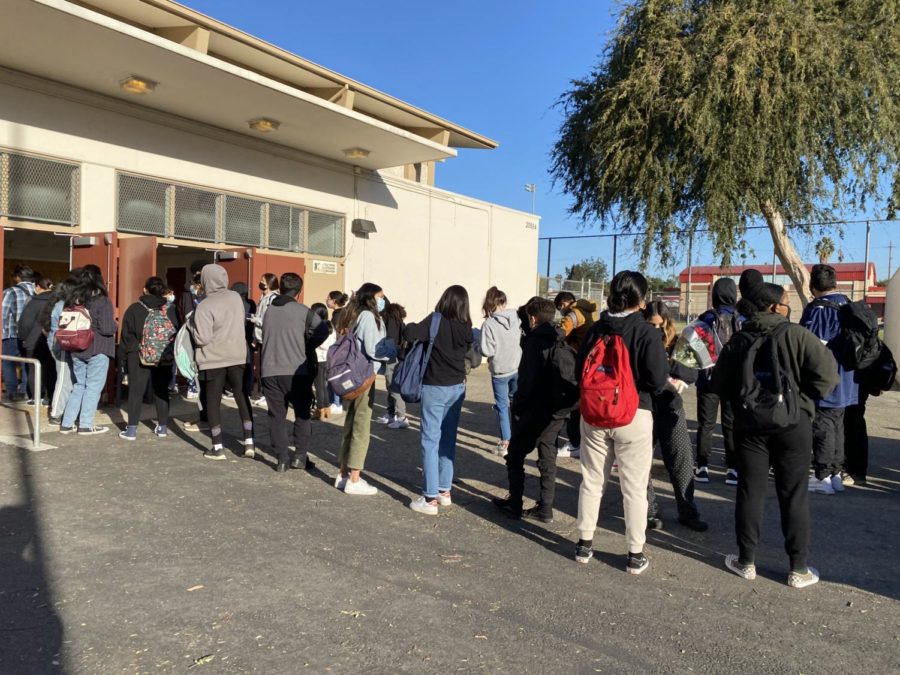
(658, 284)
(824, 249)
(709, 114)
(592, 269)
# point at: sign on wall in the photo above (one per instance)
(324, 267)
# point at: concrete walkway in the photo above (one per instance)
(121, 557)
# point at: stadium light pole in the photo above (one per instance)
(532, 188)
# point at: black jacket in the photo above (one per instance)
(133, 322)
(532, 397)
(31, 321)
(649, 362)
(447, 366)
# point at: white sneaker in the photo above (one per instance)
(384, 419)
(260, 402)
(192, 394)
(701, 474)
(823, 487)
(399, 423)
(360, 487)
(569, 450)
(731, 477)
(336, 409)
(837, 483)
(422, 505)
(443, 499)
(732, 562)
(340, 481)
(797, 580)
(502, 449)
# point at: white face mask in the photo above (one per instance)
(170, 297)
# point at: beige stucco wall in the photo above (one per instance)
(427, 239)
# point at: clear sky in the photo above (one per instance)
(496, 67)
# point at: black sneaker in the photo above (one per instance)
(694, 524)
(637, 563)
(701, 474)
(308, 465)
(534, 513)
(584, 551)
(215, 453)
(92, 431)
(66, 430)
(54, 421)
(654, 523)
(508, 507)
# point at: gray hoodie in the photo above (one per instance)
(286, 338)
(217, 324)
(501, 337)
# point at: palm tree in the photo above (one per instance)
(824, 249)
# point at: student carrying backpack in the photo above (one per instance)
(623, 364)
(771, 373)
(547, 393)
(147, 343)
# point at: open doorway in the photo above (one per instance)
(173, 263)
(44, 252)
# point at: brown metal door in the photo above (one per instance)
(236, 262)
(137, 262)
(273, 263)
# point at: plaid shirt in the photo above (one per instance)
(14, 300)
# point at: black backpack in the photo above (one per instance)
(563, 379)
(857, 346)
(768, 395)
(880, 376)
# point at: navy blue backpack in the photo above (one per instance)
(410, 374)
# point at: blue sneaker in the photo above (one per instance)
(161, 430)
(130, 434)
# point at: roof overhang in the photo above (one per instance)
(63, 42)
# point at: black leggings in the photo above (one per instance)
(216, 380)
(138, 376)
(670, 429)
(323, 397)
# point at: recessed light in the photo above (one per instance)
(264, 125)
(137, 85)
(356, 153)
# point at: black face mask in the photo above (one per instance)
(263, 287)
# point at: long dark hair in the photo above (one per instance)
(362, 301)
(88, 284)
(271, 281)
(454, 305)
(660, 309)
(321, 310)
(493, 299)
(627, 289)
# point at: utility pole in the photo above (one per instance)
(866, 266)
(687, 303)
(890, 259)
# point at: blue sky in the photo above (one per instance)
(497, 67)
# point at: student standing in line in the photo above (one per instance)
(630, 445)
(323, 395)
(443, 394)
(336, 302)
(217, 327)
(187, 303)
(548, 389)
(89, 367)
(269, 289)
(501, 336)
(15, 298)
(821, 316)
(32, 333)
(362, 318)
(670, 427)
(64, 382)
(577, 319)
(809, 373)
(133, 322)
(723, 321)
(395, 417)
(291, 332)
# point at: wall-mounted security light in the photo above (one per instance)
(362, 228)
(356, 153)
(137, 85)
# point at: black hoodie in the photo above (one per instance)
(649, 362)
(136, 315)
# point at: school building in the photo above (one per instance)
(141, 135)
(855, 280)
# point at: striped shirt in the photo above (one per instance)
(14, 300)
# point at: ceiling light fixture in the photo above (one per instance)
(137, 85)
(264, 125)
(356, 153)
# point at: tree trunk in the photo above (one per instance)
(787, 254)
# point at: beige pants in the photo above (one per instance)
(632, 447)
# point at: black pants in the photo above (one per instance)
(41, 352)
(788, 453)
(281, 392)
(138, 376)
(707, 409)
(856, 439)
(216, 379)
(828, 441)
(528, 432)
(670, 431)
(573, 428)
(323, 398)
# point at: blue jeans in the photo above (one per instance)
(90, 376)
(12, 347)
(504, 389)
(441, 407)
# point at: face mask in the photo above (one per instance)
(380, 304)
(263, 287)
(170, 297)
